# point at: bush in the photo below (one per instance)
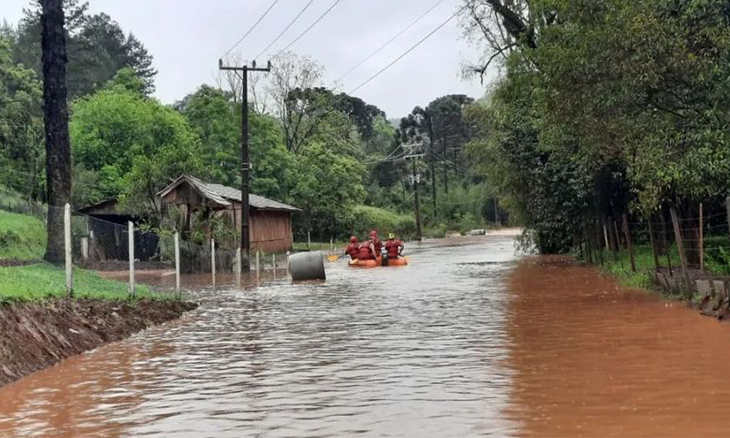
(9, 239)
(373, 218)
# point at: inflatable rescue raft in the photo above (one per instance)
(399, 261)
(374, 263)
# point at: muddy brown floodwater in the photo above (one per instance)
(467, 340)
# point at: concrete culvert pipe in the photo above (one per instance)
(307, 266)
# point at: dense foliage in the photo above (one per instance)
(605, 107)
(336, 157)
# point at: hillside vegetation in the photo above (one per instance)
(21, 237)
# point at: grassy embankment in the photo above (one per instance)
(716, 262)
(22, 238)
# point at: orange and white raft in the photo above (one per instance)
(372, 263)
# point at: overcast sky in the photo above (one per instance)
(188, 37)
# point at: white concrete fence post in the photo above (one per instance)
(273, 264)
(212, 260)
(258, 255)
(85, 248)
(238, 267)
(131, 258)
(177, 264)
(67, 250)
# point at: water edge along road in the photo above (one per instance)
(467, 340)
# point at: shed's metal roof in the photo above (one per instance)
(222, 195)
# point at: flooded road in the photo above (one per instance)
(416, 350)
(590, 358)
(468, 340)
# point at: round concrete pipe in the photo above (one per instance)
(307, 266)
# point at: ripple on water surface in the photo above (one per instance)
(419, 350)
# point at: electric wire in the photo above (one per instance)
(393, 38)
(307, 29)
(251, 29)
(291, 23)
(410, 49)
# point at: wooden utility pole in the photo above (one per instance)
(417, 205)
(55, 117)
(429, 124)
(415, 179)
(245, 162)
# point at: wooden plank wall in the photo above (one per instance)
(271, 230)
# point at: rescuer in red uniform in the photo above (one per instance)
(367, 251)
(393, 247)
(376, 243)
(353, 249)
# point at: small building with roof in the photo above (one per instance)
(270, 222)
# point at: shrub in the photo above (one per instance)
(369, 218)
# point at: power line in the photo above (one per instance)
(291, 23)
(384, 45)
(252, 28)
(309, 28)
(407, 51)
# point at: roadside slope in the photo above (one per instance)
(36, 335)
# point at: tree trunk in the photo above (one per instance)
(55, 112)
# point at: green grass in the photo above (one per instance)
(318, 246)
(21, 237)
(24, 238)
(41, 281)
(644, 259)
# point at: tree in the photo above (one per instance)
(298, 109)
(632, 94)
(117, 133)
(55, 112)
(97, 49)
(21, 126)
(216, 118)
(327, 187)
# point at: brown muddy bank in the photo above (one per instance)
(38, 335)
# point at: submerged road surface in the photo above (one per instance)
(468, 340)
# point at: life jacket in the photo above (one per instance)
(392, 247)
(378, 246)
(364, 252)
(353, 250)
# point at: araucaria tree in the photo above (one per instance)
(55, 110)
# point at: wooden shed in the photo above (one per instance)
(270, 221)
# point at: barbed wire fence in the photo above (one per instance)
(676, 250)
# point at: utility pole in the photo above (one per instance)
(429, 123)
(415, 178)
(245, 162)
